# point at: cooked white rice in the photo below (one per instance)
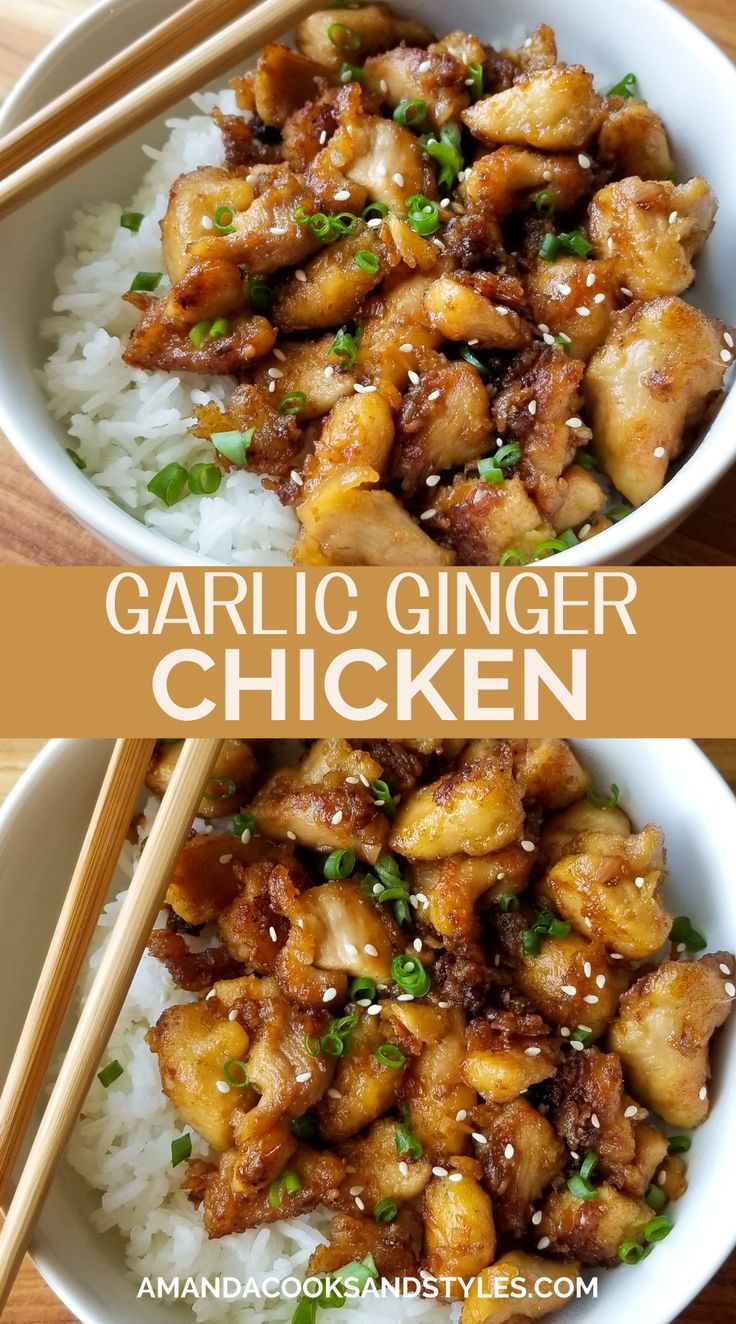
(122, 1148)
(126, 423)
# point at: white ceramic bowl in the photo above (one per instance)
(682, 73)
(666, 781)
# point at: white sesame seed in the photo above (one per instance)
(537, 1217)
(208, 223)
(413, 377)
(610, 243)
(359, 1203)
(726, 356)
(439, 1172)
(434, 395)
(363, 1002)
(547, 176)
(296, 478)
(272, 387)
(583, 312)
(565, 1031)
(303, 1076)
(245, 836)
(564, 288)
(329, 994)
(673, 217)
(591, 998)
(548, 339)
(291, 835)
(661, 1177)
(631, 1111)
(639, 882)
(730, 990)
(300, 275)
(502, 311)
(407, 347)
(233, 1015)
(474, 341)
(532, 1051)
(590, 280)
(587, 969)
(569, 989)
(222, 1086)
(404, 1168)
(532, 407)
(599, 298)
(383, 86)
(332, 1093)
(594, 1121)
(703, 1093)
(374, 1009)
(425, 66)
(445, 202)
(600, 981)
(405, 997)
(728, 339)
(461, 1115)
(420, 895)
(585, 161)
(625, 290)
(456, 1176)
(277, 229)
(273, 934)
(428, 514)
(342, 195)
(543, 1243)
(417, 944)
(479, 1139)
(323, 138)
(356, 1190)
(526, 845)
(364, 390)
(659, 452)
(508, 1151)
(583, 533)
(351, 949)
(329, 370)
(616, 956)
(432, 480)
(375, 222)
(276, 373)
(370, 950)
(398, 179)
(543, 327)
(577, 1045)
(413, 902)
(279, 354)
(681, 947)
(336, 817)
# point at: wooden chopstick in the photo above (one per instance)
(60, 974)
(100, 1012)
(190, 72)
(151, 52)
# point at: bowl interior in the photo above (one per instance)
(667, 53)
(666, 781)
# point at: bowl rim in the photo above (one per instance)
(722, 1238)
(644, 527)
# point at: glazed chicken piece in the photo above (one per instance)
(233, 776)
(590, 1085)
(459, 1232)
(582, 498)
(521, 1157)
(504, 1060)
(453, 886)
(578, 818)
(288, 1078)
(207, 876)
(649, 231)
(192, 1043)
(304, 368)
(377, 1170)
(228, 1210)
(562, 978)
(336, 284)
(548, 773)
(192, 966)
(510, 178)
(347, 523)
(540, 409)
(374, 27)
(394, 331)
(574, 299)
(208, 289)
(464, 47)
(337, 931)
(592, 1230)
(649, 387)
(363, 1088)
(433, 1088)
(251, 927)
(480, 520)
(487, 1304)
(473, 810)
(265, 236)
(358, 430)
(633, 140)
(194, 196)
(444, 422)
(325, 802)
(662, 1032)
(276, 443)
(459, 307)
(353, 1237)
(370, 158)
(650, 1151)
(157, 343)
(410, 73)
(608, 888)
(555, 109)
(284, 81)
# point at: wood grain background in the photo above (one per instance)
(35, 530)
(31, 1302)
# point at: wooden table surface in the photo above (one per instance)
(35, 530)
(31, 1302)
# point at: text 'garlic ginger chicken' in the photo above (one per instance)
(447, 280)
(414, 1001)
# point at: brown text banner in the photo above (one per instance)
(536, 651)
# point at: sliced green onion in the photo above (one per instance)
(76, 458)
(293, 403)
(412, 113)
(146, 280)
(627, 87)
(385, 1210)
(682, 931)
(113, 1071)
(422, 214)
(552, 545)
(351, 73)
(223, 219)
(581, 1036)
(345, 38)
(375, 210)
(219, 327)
(446, 151)
(546, 925)
(658, 1228)
(588, 1165)
(199, 332)
(233, 445)
(344, 222)
(388, 870)
(584, 459)
(204, 479)
(599, 801)
(302, 216)
(530, 942)
(511, 557)
(291, 1183)
(410, 974)
(574, 241)
(475, 81)
(226, 787)
(274, 1193)
(679, 1144)
(631, 1252)
(655, 1198)
(366, 260)
(359, 1270)
(332, 1044)
(181, 1149)
(408, 1146)
(306, 1311)
(339, 864)
(390, 1055)
(466, 353)
(617, 513)
(384, 797)
(580, 1188)
(492, 467)
(550, 247)
(564, 341)
(312, 1046)
(489, 471)
(132, 220)
(241, 1077)
(260, 294)
(169, 483)
(507, 901)
(345, 347)
(545, 202)
(304, 1127)
(243, 822)
(362, 988)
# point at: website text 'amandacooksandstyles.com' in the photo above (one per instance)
(230, 1288)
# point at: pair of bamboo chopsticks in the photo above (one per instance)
(61, 970)
(178, 57)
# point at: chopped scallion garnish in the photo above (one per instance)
(658, 1228)
(169, 483)
(233, 445)
(627, 87)
(132, 220)
(507, 901)
(682, 931)
(339, 864)
(76, 458)
(412, 113)
(584, 459)
(305, 1127)
(410, 974)
(679, 1144)
(408, 1146)
(385, 1210)
(147, 281)
(260, 294)
(422, 214)
(243, 822)
(475, 80)
(181, 1149)
(362, 988)
(113, 1071)
(545, 202)
(235, 1073)
(599, 801)
(366, 260)
(446, 151)
(293, 403)
(223, 219)
(375, 210)
(344, 37)
(384, 797)
(656, 1198)
(511, 557)
(390, 1055)
(204, 479)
